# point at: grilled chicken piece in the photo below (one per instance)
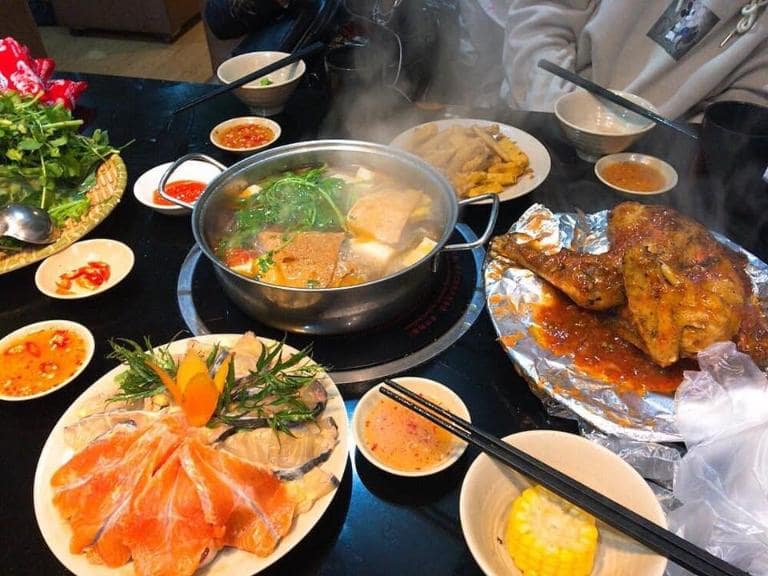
(683, 290)
(592, 281)
(752, 338)
(679, 307)
(631, 223)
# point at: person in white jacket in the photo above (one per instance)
(678, 54)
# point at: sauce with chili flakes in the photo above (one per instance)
(633, 176)
(402, 439)
(184, 190)
(39, 361)
(598, 351)
(88, 277)
(246, 136)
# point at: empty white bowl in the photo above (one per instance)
(430, 389)
(490, 487)
(218, 131)
(147, 183)
(78, 329)
(117, 255)
(264, 100)
(668, 173)
(597, 127)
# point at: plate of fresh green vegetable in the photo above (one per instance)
(46, 162)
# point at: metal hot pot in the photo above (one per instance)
(324, 310)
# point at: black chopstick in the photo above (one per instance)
(590, 86)
(661, 541)
(290, 59)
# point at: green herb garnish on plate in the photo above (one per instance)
(139, 381)
(270, 395)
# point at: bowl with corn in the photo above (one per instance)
(515, 527)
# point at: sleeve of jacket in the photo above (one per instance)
(748, 82)
(541, 29)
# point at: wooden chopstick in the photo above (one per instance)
(290, 59)
(661, 541)
(594, 88)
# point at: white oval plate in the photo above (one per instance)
(490, 487)
(119, 257)
(81, 331)
(228, 562)
(148, 182)
(434, 391)
(539, 160)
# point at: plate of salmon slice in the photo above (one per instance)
(127, 488)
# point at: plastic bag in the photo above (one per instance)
(722, 481)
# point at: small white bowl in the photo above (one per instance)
(262, 100)
(119, 257)
(216, 133)
(433, 391)
(490, 487)
(79, 329)
(148, 182)
(667, 172)
(597, 127)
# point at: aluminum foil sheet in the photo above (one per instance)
(565, 391)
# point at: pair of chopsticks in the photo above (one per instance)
(290, 59)
(661, 541)
(598, 90)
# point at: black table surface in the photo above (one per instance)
(377, 524)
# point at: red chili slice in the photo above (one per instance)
(32, 348)
(90, 277)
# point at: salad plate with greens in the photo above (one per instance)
(46, 162)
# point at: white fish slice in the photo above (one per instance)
(290, 457)
(85, 430)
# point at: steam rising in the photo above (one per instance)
(442, 51)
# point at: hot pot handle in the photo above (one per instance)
(172, 168)
(494, 198)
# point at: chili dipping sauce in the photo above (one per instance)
(402, 439)
(246, 136)
(634, 176)
(184, 190)
(39, 361)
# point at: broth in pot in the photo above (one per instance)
(329, 226)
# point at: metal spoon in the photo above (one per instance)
(26, 223)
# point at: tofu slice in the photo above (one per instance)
(382, 215)
(309, 260)
(371, 253)
(416, 254)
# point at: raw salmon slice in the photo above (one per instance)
(101, 453)
(95, 488)
(110, 545)
(167, 531)
(253, 500)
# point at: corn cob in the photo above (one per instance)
(547, 536)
